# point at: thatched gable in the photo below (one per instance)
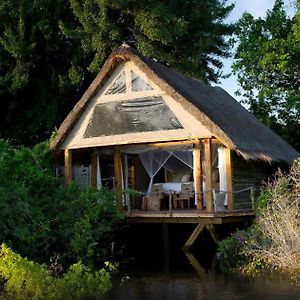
(221, 114)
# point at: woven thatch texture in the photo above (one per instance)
(215, 108)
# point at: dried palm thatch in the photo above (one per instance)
(215, 108)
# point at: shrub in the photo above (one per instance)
(273, 241)
(86, 222)
(277, 240)
(25, 279)
(230, 252)
(41, 218)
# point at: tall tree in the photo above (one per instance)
(268, 68)
(35, 59)
(50, 50)
(186, 34)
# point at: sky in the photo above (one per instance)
(258, 8)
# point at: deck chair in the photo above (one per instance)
(186, 194)
(152, 201)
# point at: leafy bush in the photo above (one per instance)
(26, 196)
(276, 241)
(40, 218)
(273, 241)
(230, 252)
(25, 279)
(86, 221)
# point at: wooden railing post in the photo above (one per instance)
(68, 167)
(118, 176)
(208, 174)
(198, 174)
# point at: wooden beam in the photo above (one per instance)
(195, 263)
(173, 220)
(68, 167)
(94, 167)
(208, 175)
(229, 178)
(213, 233)
(118, 176)
(193, 236)
(172, 143)
(198, 174)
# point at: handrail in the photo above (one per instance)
(171, 193)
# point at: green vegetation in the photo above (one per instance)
(267, 62)
(25, 279)
(45, 221)
(273, 241)
(51, 50)
(41, 218)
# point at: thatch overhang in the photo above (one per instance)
(220, 113)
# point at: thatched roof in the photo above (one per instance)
(214, 107)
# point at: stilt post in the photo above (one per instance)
(166, 244)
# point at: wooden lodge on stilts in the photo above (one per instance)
(191, 152)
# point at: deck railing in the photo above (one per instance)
(140, 200)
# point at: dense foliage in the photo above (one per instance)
(25, 279)
(41, 218)
(268, 68)
(50, 50)
(273, 241)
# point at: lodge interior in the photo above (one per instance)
(151, 175)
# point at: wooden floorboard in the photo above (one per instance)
(189, 216)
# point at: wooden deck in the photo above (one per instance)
(189, 216)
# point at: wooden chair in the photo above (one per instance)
(152, 201)
(186, 194)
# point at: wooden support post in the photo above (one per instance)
(68, 167)
(198, 174)
(212, 230)
(195, 263)
(166, 244)
(208, 175)
(193, 236)
(94, 166)
(118, 176)
(229, 179)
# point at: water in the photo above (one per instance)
(152, 273)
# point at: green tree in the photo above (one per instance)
(188, 35)
(36, 89)
(50, 50)
(268, 68)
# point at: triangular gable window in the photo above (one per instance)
(118, 86)
(138, 84)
